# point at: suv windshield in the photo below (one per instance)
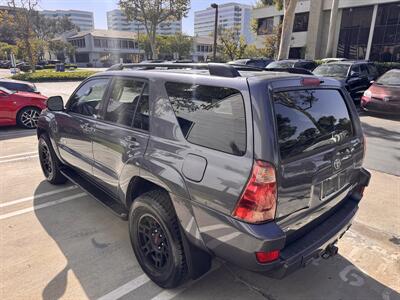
(332, 70)
(390, 78)
(310, 119)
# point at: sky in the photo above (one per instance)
(100, 7)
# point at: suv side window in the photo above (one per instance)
(210, 116)
(87, 100)
(364, 70)
(372, 70)
(355, 69)
(123, 101)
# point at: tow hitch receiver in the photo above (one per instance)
(331, 250)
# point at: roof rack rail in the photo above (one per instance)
(291, 70)
(216, 69)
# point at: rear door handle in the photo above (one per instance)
(132, 142)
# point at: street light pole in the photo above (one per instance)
(214, 5)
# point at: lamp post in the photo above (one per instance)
(214, 5)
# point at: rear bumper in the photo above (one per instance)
(237, 242)
(392, 108)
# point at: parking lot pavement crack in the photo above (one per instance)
(249, 285)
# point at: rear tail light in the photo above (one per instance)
(366, 97)
(258, 201)
(265, 257)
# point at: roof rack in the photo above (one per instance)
(216, 69)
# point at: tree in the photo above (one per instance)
(272, 42)
(232, 44)
(181, 44)
(61, 49)
(153, 12)
(31, 50)
(7, 32)
(289, 7)
(24, 12)
(6, 49)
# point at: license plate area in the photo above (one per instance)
(332, 185)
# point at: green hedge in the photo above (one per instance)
(47, 75)
(383, 67)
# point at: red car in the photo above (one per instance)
(383, 96)
(22, 108)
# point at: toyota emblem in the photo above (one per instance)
(337, 164)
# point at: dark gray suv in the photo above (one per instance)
(262, 169)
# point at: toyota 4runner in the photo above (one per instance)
(262, 169)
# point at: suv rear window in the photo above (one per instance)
(210, 116)
(310, 119)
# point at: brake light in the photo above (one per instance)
(310, 81)
(265, 257)
(366, 97)
(258, 201)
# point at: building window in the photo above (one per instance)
(79, 43)
(265, 26)
(386, 39)
(354, 32)
(97, 43)
(300, 22)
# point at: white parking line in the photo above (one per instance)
(40, 206)
(37, 196)
(19, 158)
(126, 288)
(19, 154)
(169, 294)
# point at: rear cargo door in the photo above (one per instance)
(319, 147)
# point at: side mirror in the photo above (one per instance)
(55, 103)
(354, 74)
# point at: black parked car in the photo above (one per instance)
(200, 169)
(293, 63)
(356, 76)
(252, 62)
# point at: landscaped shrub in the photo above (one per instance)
(47, 75)
(383, 67)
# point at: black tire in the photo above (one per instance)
(162, 236)
(28, 117)
(49, 161)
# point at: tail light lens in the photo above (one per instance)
(258, 201)
(266, 257)
(366, 97)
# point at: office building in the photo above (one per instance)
(230, 16)
(83, 19)
(105, 47)
(362, 29)
(116, 20)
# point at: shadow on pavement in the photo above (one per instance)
(12, 132)
(380, 132)
(96, 246)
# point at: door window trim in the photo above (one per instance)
(69, 102)
(106, 100)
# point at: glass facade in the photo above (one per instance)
(386, 39)
(354, 32)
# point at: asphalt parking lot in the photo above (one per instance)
(58, 242)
